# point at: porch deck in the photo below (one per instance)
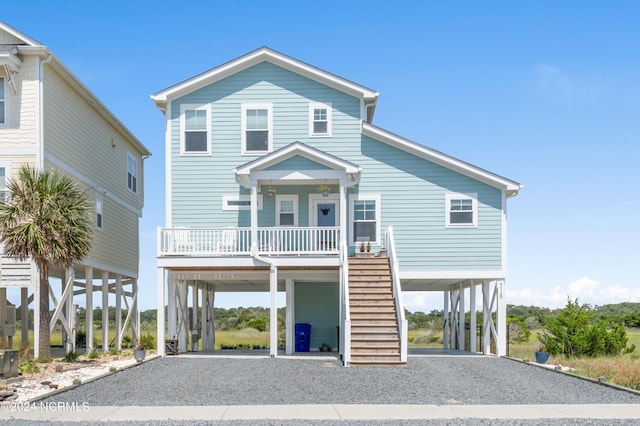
(239, 241)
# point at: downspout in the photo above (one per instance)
(40, 121)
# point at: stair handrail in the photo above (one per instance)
(403, 327)
(346, 314)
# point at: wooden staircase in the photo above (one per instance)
(374, 326)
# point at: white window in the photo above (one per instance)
(286, 210)
(365, 218)
(462, 210)
(132, 173)
(257, 133)
(4, 196)
(239, 202)
(195, 126)
(2, 101)
(98, 211)
(319, 119)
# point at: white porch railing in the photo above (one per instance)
(236, 241)
(403, 328)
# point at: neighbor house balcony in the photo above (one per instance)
(238, 241)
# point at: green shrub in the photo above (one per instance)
(29, 366)
(71, 356)
(95, 353)
(576, 332)
(147, 341)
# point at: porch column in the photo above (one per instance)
(212, 313)
(118, 319)
(273, 312)
(473, 346)
(254, 219)
(501, 319)
(343, 215)
(171, 309)
(88, 292)
(183, 319)
(160, 326)
(69, 307)
(195, 329)
(454, 318)
(24, 316)
(105, 311)
(445, 335)
(135, 313)
(290, 321)
(461, 317)
(486, 318)
(207, 323)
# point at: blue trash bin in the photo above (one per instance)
(303, 337)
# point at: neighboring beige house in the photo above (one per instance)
(49, 119)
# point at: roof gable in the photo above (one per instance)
(511, 187)
(265, 54)
(268, 165)
(9, 35)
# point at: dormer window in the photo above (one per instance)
(319, 119)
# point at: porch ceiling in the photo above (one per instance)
(433, 284)
(245, 280)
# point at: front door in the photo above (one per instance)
(325, 213)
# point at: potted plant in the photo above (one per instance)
(140, 352)
(362, 247)
(541, 354)
(368, 246)
(324, 190)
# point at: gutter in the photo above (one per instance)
(40, 159)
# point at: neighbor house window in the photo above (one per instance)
(2, 101)
(239, 202)
(287, 210)
(365, 218)
(4, 195)
(195, 126)
(256, 128)
(99, 211)
(132, 173)
(320, 119)
(462, 210)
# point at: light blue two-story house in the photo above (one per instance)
(277, 180)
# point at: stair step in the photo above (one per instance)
(374, 357)
(370, 296)
(363, 308)
(361, 363)
(384, 303)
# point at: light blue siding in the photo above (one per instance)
(298, 163)
(412, 190)
(318, 304)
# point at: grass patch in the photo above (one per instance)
(247, 338)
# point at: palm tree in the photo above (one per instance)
(47, 218)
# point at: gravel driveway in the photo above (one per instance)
(217, 381)
(426, 380)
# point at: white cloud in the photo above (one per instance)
(585, 289)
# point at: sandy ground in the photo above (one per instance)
(47, 380)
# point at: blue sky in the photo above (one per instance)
(544, 93)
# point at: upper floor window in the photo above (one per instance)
(98, 211)
(287, 210)
(132, 173)
(365, 218)
(462, 210)
(319, 119)
(195, 126)
(256, 128)
(2, 101)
